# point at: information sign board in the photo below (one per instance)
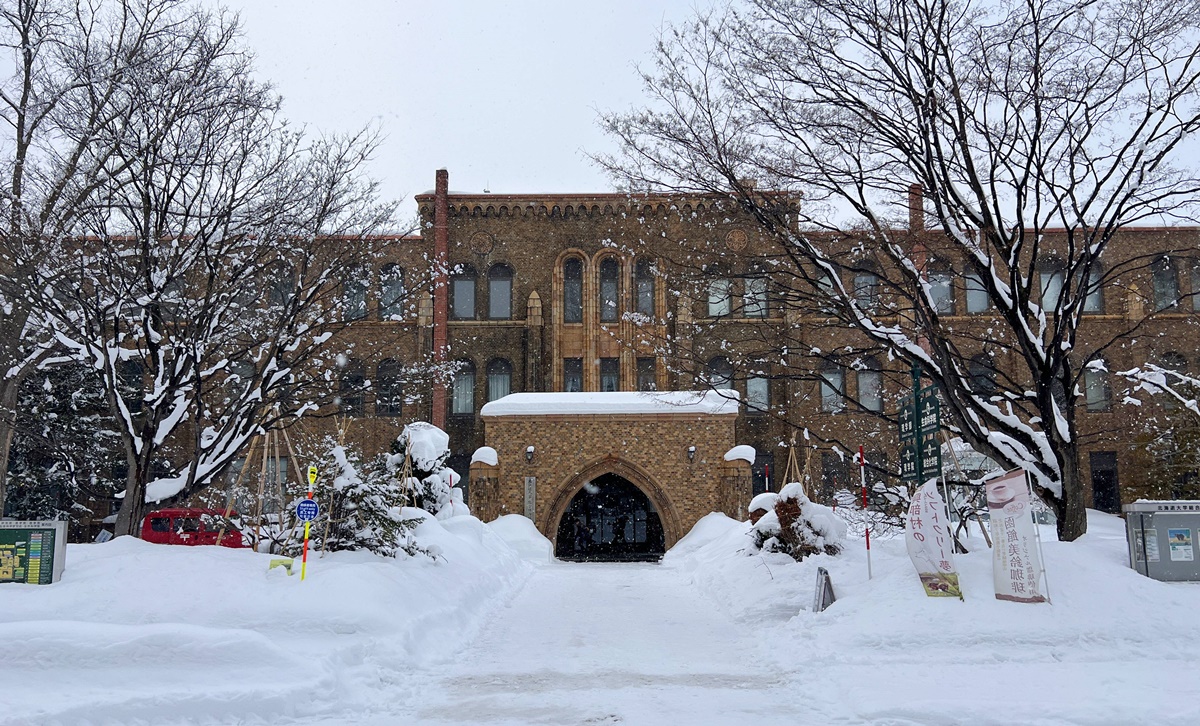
(32, 552)
(307, 510)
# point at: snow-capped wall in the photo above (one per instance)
(548, 404)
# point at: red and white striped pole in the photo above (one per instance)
(862, 467)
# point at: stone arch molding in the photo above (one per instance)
(634, 474)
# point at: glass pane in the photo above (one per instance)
(758, 394)
(720, 373)
(645, 374)
(1096, 385)
(463, 294)
(354, 299)
(1166, 286)
(1094, 302)
(610, 374)
(831, 391)
(720, 293)
(866, 290)
(573, 374)
(870, 390)
(941, 293)
(977, 296)
(1196, 285)
(500, 298)
(1052, 284)
(573, 291)
(645, 295)
(464, 393)
(391, 292)
(609, 290)
(755, 303)
(499, 384)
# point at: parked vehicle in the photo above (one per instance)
(190, 527)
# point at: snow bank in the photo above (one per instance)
(1113, 648)
(741, 451)
(137, 632)
(549, 404)
(523, 536)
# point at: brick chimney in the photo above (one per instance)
(916, 208)
(441, 287)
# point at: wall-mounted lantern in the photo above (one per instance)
(529, 454)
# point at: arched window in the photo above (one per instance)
(1166, 283)
(500, 279)
(1050, 280)
(982, 370)
(866, 290)
(1097, 391)
(870, 385)
(573, 290)
(644, 275)
(720, 372)
(129, 383)
(354, 294)
(499, 379)
(391, 292)
(720, 297)
(462, 294)
(833, 389)
(462, 397)
(351, 384)
(754, 298)
(389, 391)
(610, 290)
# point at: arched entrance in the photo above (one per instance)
(610, 519)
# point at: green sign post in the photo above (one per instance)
(32, 552)
(920, 423)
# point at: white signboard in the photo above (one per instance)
(531, 497)
(929, 544)
(1016, 560)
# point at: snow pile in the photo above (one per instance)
(1114, 647)
(144, 633)
(424, 449)
(523, 536)
(797, 526)
(741, 451)
(426, 444)
(486, 455)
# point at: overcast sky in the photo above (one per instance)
(503, 94)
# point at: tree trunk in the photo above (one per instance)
(1072, 509)
(9, 394)
(133, 506)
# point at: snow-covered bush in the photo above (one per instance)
(430, 484)
(798, 527)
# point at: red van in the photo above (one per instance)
(189, 527)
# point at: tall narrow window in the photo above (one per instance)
(720, 297)
(281, 284)
(350, 388)
(354, 295)
(644, 274)
(573, 291)
(1166, 283)
(129, 382)
(462, 398)
(1050, 278)
(389, 392)
(500, 278)
(754, 302)
(499, 379)
(870, 385)
(646, 379)
(720, 373)
(391, 292)
(462, 294)
(1172, 361)
(1096, 388)
(866, 290)
(826, 295)
(983, 375)
(572, 374)
(1196, 285)
(610, 290)
(1106, 488)
(1094, 302)
(977, 294)
(941, 292)
(833, 389)
(610, 374)
(758, 394)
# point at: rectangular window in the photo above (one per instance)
(1196, 285)
(870, 390)
(754, 304)
(1094, 302)
(462, 292)
(1051, 282)
(610, 374)
(758, 394)
(941, 293)
(977, 295)
(572, 374)
(609, 291)
(720, 294)
(866, 290)
(500, 298)
(572, 300)
(499, 384)
(1166, 284)
(1097, 392)
(833, 385)
(645, 295)
(354, 299)
(646, 377)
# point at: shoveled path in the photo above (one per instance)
(591, 643)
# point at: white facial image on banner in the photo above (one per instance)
(1016, 560)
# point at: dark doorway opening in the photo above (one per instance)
(610, 520)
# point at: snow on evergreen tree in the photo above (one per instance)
(798, 526)
(429, 483)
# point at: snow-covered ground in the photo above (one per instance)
(140, 633)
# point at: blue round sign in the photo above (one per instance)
(307, 510)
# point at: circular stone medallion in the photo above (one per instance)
(736, 239)
(481, 243)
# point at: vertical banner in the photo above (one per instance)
(1016, 559)
(928, 543)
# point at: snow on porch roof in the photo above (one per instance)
(560, 404)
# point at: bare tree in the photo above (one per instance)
(1036, 130)
(204, 279)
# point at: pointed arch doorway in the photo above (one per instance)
(610, 519)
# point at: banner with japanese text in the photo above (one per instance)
(929, 544)
(1016, 559)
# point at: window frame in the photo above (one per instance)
(572, 307)
(465, 275)
(608, 290)
(496, 368)
(389, 388)
(833, 397)
(459, 405)
(500, 273)
(391, 291)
